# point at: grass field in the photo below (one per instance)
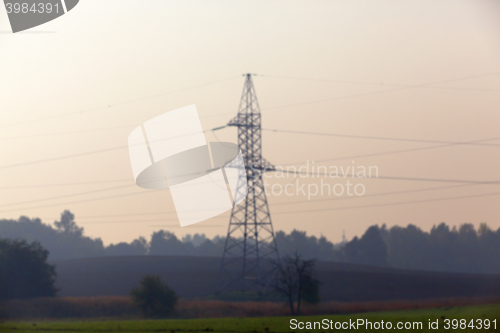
(272, 324)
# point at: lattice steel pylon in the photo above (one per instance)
(250, 242)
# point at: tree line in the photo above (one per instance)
(443, 248)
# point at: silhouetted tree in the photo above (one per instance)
(438, 252)
(307, 246)
(370, 249)
(296, 281)
(196, 239)
(136, 248)
(210, 248)
(409, 247)
(461, 249)
(351, 250)
(68, 225)
(24, 271)
(153, 297)
(166, 243)
(373, 248)
(65, 243)
(445, 249)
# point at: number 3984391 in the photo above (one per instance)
(36, 8)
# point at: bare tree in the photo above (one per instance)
(295, 279)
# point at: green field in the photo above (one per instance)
(273, 324)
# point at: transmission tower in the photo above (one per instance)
(250, 243)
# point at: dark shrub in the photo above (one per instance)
(154, 298)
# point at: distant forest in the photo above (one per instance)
(462, 249)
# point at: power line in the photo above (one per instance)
(120, 215)
(63, 133)
(393, 178)
(379, 84)
(440, 180)
(378, 92)
(96, 191)
(66, 195)
(81, 131)
(223, 114)
(290, 164)
(296, 202)
(469, 182)
(79, 201)
(280, 170)
(64, 184)
(115, 104)
(81, 154)
(158, 220)
(375, 194)
(193, 226)
(329, 209)
(392, 152)
(392, 204)
(383, 138)
(62, 157)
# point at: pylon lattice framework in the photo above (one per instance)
(250, 242)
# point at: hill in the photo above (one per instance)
(196, 278)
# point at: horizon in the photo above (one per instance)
(391, 85)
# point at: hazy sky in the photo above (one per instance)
(424, 70)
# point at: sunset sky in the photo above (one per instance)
(73, 89)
